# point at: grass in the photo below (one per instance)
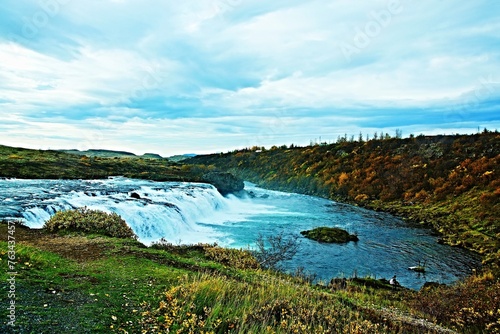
(79, 283)
(85, 293)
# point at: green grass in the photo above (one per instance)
(127, 287)
(55, 293)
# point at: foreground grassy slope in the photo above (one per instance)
(448, 182)
(76, 283)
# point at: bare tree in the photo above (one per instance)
(274, 249)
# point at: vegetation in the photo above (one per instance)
(77, 283)
(88, 282)
(272, 250)
(38, 164)
(450, 183)
(90, 221)
(241, 259)
(329, 235)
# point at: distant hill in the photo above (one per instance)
(151, 156)
(112, 154)
(17, 162)
(181, 157)
(93, 164)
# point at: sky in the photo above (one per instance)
(205, 76)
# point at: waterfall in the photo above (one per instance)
(180, 212)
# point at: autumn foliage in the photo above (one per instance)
(450, 182)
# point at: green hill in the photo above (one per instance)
(112, 154)
(38, 164)
(450, 183)
(179, 158)
(93, 164)
(102, 153)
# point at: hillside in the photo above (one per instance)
(112, 154)
(450, 183)
(181, 157)
(75, 282)
(27, 163)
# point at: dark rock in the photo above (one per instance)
(135, 195)
(225, 183)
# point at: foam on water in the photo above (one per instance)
(178, 212)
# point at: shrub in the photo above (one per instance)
(471, 306)
(362, 198)
(274, 249)
(237, 258)
(90, 221)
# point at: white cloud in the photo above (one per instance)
(218, 73)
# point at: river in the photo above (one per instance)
(187, 213)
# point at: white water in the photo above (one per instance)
(178, 212)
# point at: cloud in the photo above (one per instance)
(218, 74)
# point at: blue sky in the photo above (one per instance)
(208, 76)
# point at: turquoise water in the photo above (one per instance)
(387, 245)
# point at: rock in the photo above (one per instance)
(329, 235)
(226, 183)
(135, 195)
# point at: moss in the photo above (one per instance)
(329, 235)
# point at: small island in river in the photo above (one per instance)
(329, 235)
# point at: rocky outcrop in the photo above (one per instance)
(226, 183)
(135, 195)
